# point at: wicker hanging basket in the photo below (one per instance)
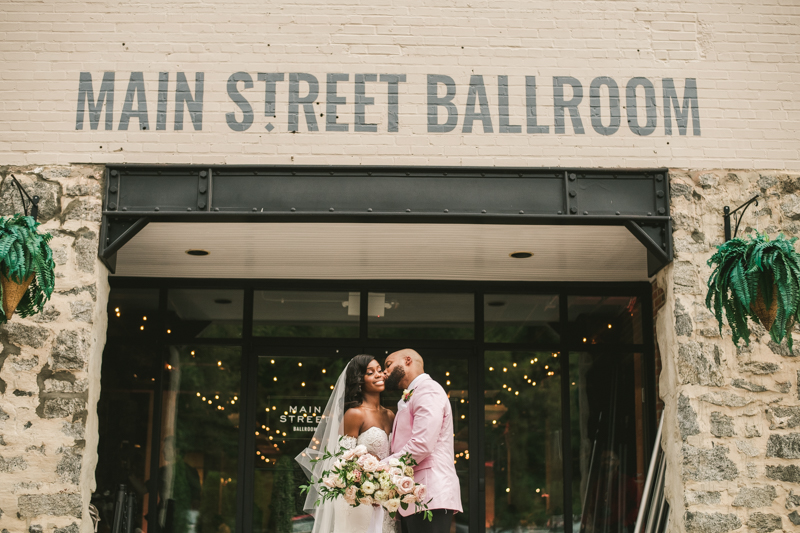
(766, 315)
(13, 293)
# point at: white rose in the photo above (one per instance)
(394, 462)
(380, 496)
(339, 482)
(395, 472)
(329, 482)
(368, 487)
(392, 505)
(348, 454)
(409, 498)
(360, 450)
(366, 500)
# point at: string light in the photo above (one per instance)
(462, 400)
(324, 371)
(219, 363)
(447, 373)
(169, 331)
(141, 328)
(505, 369)
(144, 318)
(299, 364)
(448, 382)
(491, 369)
(275, 378)
(272, 361)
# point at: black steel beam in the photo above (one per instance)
(637, 199)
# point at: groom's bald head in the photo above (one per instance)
(402, 367)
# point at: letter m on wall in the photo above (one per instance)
(104, 97)
(671, 102)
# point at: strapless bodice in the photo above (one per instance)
(375, 439)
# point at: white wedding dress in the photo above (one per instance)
(357, 519)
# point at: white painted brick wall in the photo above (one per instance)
(744, 56)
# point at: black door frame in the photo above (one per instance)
(253, 347)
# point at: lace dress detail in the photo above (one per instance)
(378, 443)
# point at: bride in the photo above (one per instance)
(354, 414)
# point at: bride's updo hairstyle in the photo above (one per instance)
(354, 380)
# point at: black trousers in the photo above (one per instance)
(416, 523)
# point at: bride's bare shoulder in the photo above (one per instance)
(353, 420)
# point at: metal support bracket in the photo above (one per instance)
(658, 241)
(727, 213)
(114, 234)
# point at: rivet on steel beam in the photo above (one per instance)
(369, 210)
(188, 208)
(446, 210)
(559, 213)
(156, 209)
(112, 189)
(659, 177)
(573, 194)
(618, 212)
(649, 214)
(660, 194)
(331, 210)
(202, 189)
(255, 209)
(572, 177)
(293, 210)
(661, 210)
(203, 173)
(521, 212)
(124, 208)
(202, 205)
(408, 210)
(112, 206)
(586, 212)
(573, 210)
(114, 173)
(483, 211)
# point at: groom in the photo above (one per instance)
(423, 427)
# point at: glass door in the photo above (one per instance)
(293, 387)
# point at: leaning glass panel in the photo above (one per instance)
(405, 315)
(609, 457)
(531, 318)
(605, 319)
(205, 313)
(523, 453)
(199, 439)
(306, 314)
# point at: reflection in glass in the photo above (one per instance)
(125, 414)
(306, 314)
(404, 315)
(524, 479)
(126, 310)
(605, 319)
(608, 446)
(521, 318)
(199, 440)
(205, 313)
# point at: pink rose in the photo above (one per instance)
(340, 483)
(404, 485)
(360, 450)
(368, 463)
(409, 498)
(329, 482)
(394, 472)
(348, 454)
(421, 493)
(350, 494)
(357, 476)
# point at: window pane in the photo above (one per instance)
(605, 319)
(200, 439)
(306, 314)
(608, 449)
(126, 309)
(405, 315)
(521, 318)
(201, 313)
(524, 480)
(125, 414)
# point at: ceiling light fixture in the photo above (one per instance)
(197, 253)
(521, 255)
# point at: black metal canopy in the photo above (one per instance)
(636, 199)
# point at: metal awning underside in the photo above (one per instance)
(581, 201)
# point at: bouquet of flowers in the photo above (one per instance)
(361, 479)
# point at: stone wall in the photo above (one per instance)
(732, 424)
(50, 363)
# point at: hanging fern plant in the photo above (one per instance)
(756, 278)
(27, 269)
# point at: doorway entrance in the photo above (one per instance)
(210, 389)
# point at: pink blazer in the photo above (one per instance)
(425, 430)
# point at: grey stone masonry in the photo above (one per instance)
(49, 363)
(732, 412)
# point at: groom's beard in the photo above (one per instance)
(394, 379)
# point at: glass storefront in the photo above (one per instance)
(208, 394)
